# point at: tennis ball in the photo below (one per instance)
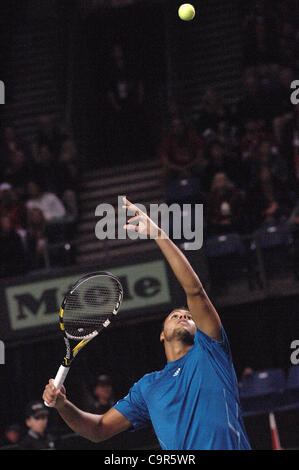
(186, 12)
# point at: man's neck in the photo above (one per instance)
(175, 349)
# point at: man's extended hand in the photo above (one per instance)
(53, 396)
(145, 225)
(203, 312)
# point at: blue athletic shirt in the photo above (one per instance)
(193, 403)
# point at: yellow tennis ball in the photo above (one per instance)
(186, 12)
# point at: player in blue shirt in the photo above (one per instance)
(193, 403)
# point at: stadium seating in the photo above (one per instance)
(224, 245)
(291, 394)
(262, 391)
(227, 258)
(187, 190)
(275, 241)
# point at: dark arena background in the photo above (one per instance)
(116, 97)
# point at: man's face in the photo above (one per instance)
(38, 424)
(180, 326)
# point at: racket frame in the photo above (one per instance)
(72, 353)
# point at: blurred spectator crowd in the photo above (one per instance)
(242, 159)
(38, 202)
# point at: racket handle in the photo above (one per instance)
(59, 380)
(60, 376)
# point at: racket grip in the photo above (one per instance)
(59, 380)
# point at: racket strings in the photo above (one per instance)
(90, 305)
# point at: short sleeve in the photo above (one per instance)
(219, 351)
(134, 408)
(219, 355)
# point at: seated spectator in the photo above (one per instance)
(49, 135)
(247, 372)
(37, 437)
(221, 162)
(267, 154)
(7, 145)
(103, 391)
(36, 239)
(45, 171)
(289, 144)
(10, 143)
(287, 47)
(282, 95)
(252, 135)
(269, 199)
(50, 205)
(181, 152)
(12, 434)
(293, 223)
(224, 206)
(260, 33)
(125, 99)
(12, 207)
(12, 254)
(67, 176)
(211, 111)
(17, 172)
(224, 135)
(173, 111)
(252, 104)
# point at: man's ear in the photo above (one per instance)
(162, 337)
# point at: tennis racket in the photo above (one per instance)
(87, 309)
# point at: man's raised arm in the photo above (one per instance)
(96, 428)
(201, 308)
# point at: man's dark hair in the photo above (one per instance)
(184, 308)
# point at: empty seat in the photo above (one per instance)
(272, 236)
(262, 391)
(275, 242)
(187, 190)
(227, 259)
(291, 395)
(223, 245)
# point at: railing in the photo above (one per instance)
(259, 262)
(256, 263)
